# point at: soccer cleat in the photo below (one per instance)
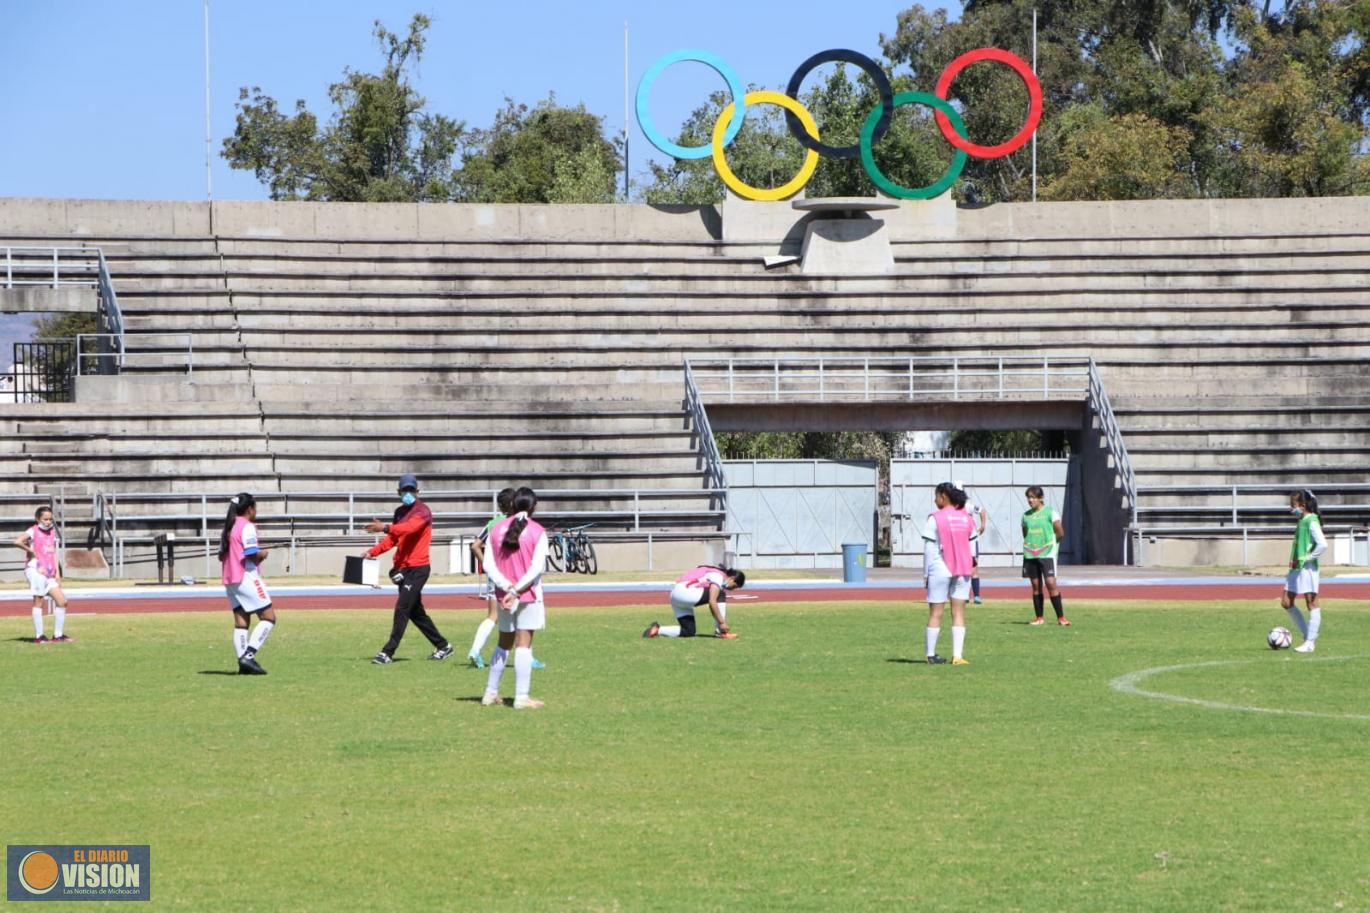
(40, 639)
(248, 665)
(538, 664)
(490, 699)
(935, 660)
(1063, 621)
(64, 639)
(1308, 646)
(527, 703)
(442, 653)
(725, 636)
(382, 659)
(959, 661)
(1037, 621)
(978, 600)
(653, 630)
(475, 659)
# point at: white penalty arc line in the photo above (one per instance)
(1128, 684)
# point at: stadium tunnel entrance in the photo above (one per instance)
(1093, 489)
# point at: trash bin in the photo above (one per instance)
(853, 562)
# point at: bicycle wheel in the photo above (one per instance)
(554, 553)
(591, 561)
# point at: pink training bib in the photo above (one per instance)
(44, 544)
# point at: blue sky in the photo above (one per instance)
(105, 99)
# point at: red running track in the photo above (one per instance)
(591, 598)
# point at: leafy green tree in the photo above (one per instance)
(544, 154)
(379, 145)
(996, 443)
(1296, 118)
(1131, 157)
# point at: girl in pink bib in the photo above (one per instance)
(41, 544)
(514, 559)
(948, 562)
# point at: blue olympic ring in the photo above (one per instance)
(644, 91)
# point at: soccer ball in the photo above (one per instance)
(1279, 638)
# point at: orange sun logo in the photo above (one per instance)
(38, 873)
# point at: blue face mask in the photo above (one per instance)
(1296, 511)
(408, 497)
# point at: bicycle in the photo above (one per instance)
(572, 550)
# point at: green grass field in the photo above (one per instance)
(814, 764)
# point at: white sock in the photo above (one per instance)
(523, 671)
(723, 614)
(239, 642)
(37, 623)
(482, 635)
(669, 631)
(59, 619)
(497, 662)
(259, 635)
(958, 640)
(1297, 616)
(931, 635)
(1314, 622)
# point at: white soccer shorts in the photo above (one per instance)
(40, 584)
(529, 616)
(248, 595)
(1301, 582)
(942, 588)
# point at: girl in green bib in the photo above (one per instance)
(1309, 543)
(1042, 535)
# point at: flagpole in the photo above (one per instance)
(1034, 132)
(626, 170)
(209, 141)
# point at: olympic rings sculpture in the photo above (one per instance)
(804, 129)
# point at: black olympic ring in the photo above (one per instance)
(871, 69)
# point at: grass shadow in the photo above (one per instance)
(504, 701)
(216, 672)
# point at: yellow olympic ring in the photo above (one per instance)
(746, 191)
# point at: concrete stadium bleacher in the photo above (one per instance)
(335, 346)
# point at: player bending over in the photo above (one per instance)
(704, 585)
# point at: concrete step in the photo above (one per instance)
(333, 443)
(482, 462)
(1253, 440)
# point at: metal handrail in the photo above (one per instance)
(713, 461)
(899, 378)
(84, 273)
(116, 348)
(1113, 436)
(70, 267)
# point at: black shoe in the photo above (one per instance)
(442, 653)
(935, 660)
(382, 659)
(248, 665)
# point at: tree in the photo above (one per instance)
(1295, 120)
(379, 146)
(544, 154)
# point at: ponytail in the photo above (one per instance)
(525, 502)
(1309, 501)
(237, 506)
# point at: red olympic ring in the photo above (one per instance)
(1030, 82)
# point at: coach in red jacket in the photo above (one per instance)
(409, 534)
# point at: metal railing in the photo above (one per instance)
(52, 267)
(1141, 535)
(70, 267)
(903, 379)
(281, 513)
(1113, 436)
(708, 447)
